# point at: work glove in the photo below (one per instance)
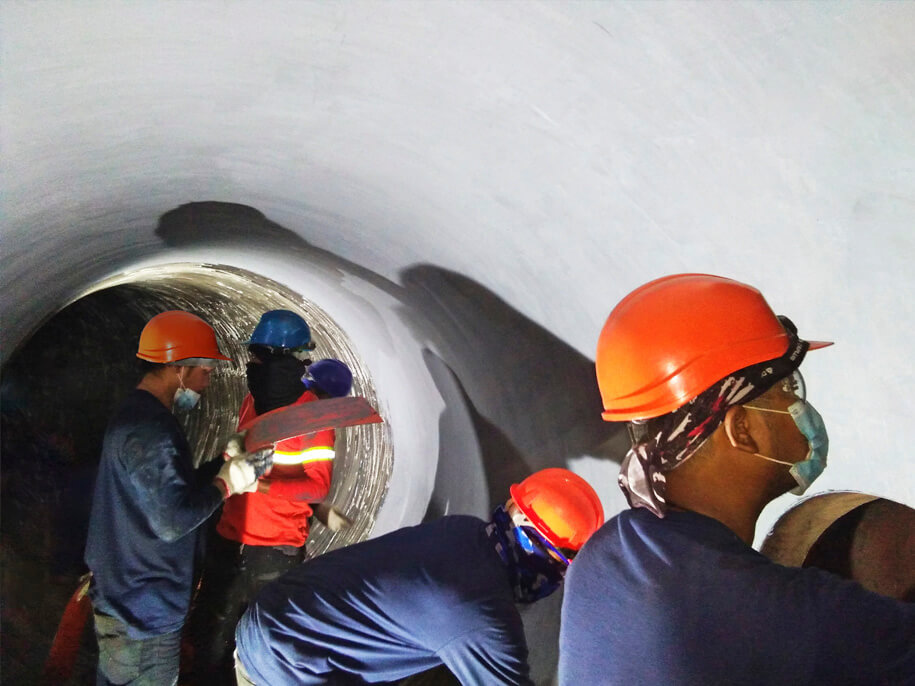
(236, 476)
(261, 460)
(235, 446)
(241, 470)
(331, 517)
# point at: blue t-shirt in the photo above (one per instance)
(147, 509)
(682, 600)
(390, 607)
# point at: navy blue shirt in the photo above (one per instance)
(147, 509)
(390, 607)
(682, 600)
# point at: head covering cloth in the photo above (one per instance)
(663, 443)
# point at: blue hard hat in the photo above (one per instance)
(282, 329)
(329, 375)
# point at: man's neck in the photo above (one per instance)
(741, 521)
(721, 495)
(160, 388)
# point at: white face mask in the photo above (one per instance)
(185, 399)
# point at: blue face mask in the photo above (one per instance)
(185, 399)
(810, 424)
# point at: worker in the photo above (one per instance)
(262, 534)
(149, 504)
(443, 592)
(670, 591)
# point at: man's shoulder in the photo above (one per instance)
(638, 538)
(439, 547)
(680, 524)
(306, 397)
(141, 415)
(426, 559)
(446, 531)
(630, 522)
(139, 406)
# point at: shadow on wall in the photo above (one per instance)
(212, 222)
(476, 461)
(530, 399)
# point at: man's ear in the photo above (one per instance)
(737, 428)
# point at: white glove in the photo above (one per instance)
(261, 460)
(242, 470)
(331, 517)
(235, 446)
(237, 476)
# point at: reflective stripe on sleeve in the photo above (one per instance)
(308, 455)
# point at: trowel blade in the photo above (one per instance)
(298, 420)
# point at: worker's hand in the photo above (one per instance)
(235, 446)
(236, 476)
(331, 517)
(261, 460)
(239, 474)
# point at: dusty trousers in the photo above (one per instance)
(135, 662)
(233, 574)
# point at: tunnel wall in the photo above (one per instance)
(481, 183)
(556, 155)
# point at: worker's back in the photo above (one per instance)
(390, 607)
(685, 601)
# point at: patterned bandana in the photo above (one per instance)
(533, 574)
(662, 443)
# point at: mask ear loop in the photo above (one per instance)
(769, 409)
(772, 459)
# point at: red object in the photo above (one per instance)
(177, 335)
(562, 505)
(672, 338)
(280, 516)
(298, 420)
(59, 666)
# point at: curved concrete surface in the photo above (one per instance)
(468, 188)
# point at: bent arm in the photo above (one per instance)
(308, 482)
(861, 636)
(165, 484)
(495, 654)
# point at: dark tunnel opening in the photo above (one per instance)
(61, 384)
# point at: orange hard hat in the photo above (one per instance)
(672, 338)
(561, 505)
(177, 335)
